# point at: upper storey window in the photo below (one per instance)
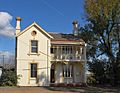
(34, 46)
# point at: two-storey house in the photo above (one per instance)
(43, 58)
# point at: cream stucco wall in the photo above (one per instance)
(25, 57)
(58, 73)
(78, 73)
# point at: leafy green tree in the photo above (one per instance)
(100, 72)
(103, 33)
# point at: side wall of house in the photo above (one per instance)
(78, 73)
(25, 58)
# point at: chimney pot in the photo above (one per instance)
(75, 27)
(18, 19)
(75, 22)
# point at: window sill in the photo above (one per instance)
(68, 77)
(33, 54)
(32, 78)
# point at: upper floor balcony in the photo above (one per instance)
(68, 53)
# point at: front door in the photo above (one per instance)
(68, 73)
(52, 73)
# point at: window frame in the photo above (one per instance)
(67, 70)
(33, 46)
(52, 50)
(34, 71)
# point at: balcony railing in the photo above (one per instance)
(69, 57)
(68, 53)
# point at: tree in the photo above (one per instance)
(104, 17)
(99, 68)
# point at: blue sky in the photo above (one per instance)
(51, 15)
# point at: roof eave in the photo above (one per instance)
(34, 24)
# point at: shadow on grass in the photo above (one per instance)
(88, 89)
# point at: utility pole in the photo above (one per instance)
(3, 60)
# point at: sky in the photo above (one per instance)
(51, 15)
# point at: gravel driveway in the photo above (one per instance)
(58, 90)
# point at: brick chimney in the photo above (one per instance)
(75, 28)
(18, 20)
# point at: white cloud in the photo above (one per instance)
(6, 29)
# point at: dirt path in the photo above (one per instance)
(57, 90)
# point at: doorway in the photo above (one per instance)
(52, 74)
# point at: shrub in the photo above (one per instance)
(8, 78)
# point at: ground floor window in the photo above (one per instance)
(33, 70)
(67, 70)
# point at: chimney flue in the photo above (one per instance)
(75, 27)
(18, 20)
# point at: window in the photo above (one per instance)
(67, 49)
(34, 46)
(77, 49)
(34, 33)
(67, 70)
(51, 50)
(33, 70)
(82, 50)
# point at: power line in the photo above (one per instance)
(54, 8)
(2, 59)
(29, 46)
(32, 59)
(39, 51)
